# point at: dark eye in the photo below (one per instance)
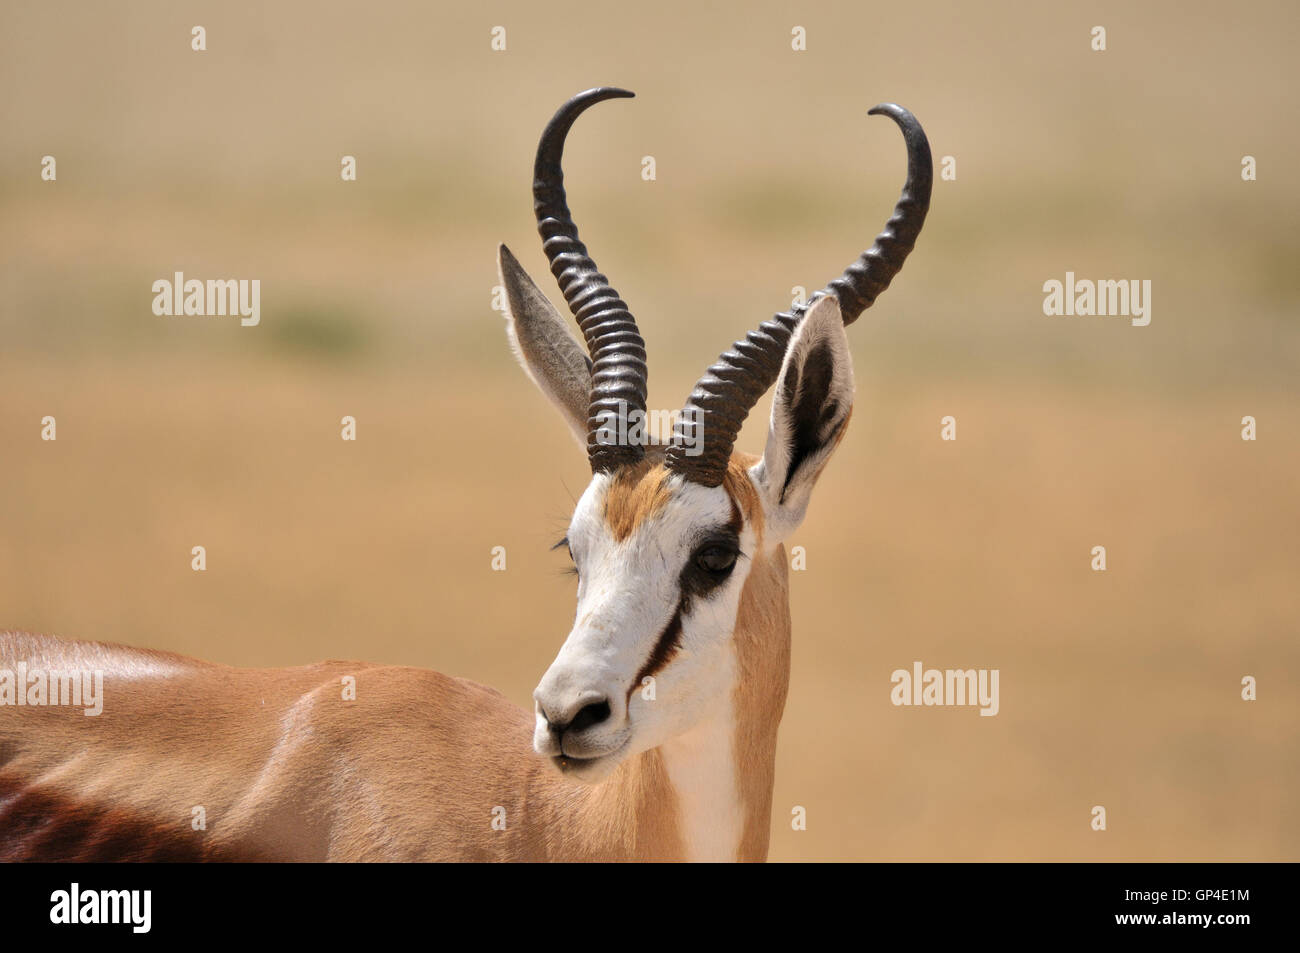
(716, 560)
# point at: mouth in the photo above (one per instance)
(567, 762)
(578, 766)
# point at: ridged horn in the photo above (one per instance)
(729, 389)
(619, 375)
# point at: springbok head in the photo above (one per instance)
(664, 536)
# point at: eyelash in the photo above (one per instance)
(570, 570)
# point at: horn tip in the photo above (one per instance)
(599, 93)
(892, 110)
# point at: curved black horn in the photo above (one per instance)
(618, 380)
(730, 388)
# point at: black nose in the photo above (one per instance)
(590, 714)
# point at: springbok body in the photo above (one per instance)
(653, 735)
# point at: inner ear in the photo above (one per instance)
(812, 404)
(814, 414)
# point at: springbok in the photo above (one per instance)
(653, 735)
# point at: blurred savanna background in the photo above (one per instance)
(1118, 688)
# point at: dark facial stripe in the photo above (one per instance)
(670, 639)
(666, 646)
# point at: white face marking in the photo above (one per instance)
(628, 594)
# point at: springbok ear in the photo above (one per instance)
(544, 347)
(810, 413)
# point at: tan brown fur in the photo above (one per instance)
(635, 493)
(762, 638)
(287, 770)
